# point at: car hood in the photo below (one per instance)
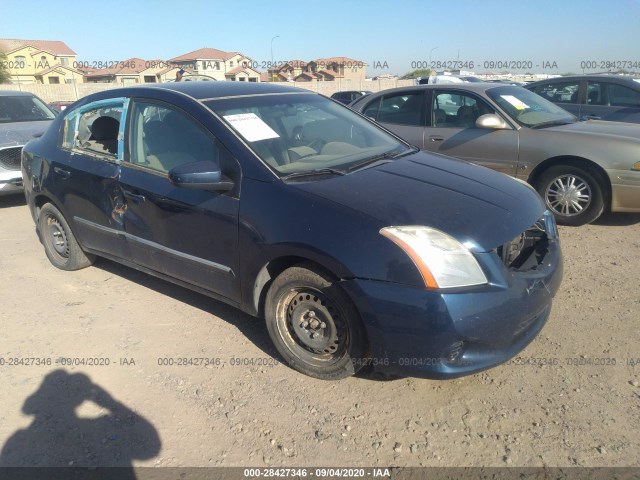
(627, 131)
(19, 133)
(478, 206)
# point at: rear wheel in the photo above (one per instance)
(573, 194)
(60, 245)
(314, 325)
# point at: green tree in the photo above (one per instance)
(423, 72)
(4, 69)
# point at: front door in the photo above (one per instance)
(453, 132)
(187, 234)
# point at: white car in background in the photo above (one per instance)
(22, 116)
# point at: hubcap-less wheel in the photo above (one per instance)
(57, 237)
(314, 328)
(568, 195)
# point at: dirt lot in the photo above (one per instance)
(562, 403)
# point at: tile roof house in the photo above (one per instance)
(218, 64)
(320, 70)
(40, 61)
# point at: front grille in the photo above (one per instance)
(527, 250)
(10, 158)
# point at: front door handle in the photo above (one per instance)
(436, 138)
(591, 117)
(134, 197)
(62, 172)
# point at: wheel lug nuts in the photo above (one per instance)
(312, 313)
(323, 325)
(305, 324)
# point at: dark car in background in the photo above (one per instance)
(22, 115)
(59, 106)
(580, 169)
(613, 98)
(356, 248)
(349, 96)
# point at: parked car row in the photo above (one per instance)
(517, 132)
(354, 240)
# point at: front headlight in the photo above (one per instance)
(442, 260)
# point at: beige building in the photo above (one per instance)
(218, 64)
(133, 71)
(320, 70)
(40, 61)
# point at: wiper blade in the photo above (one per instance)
(314, 173)
(386, 157)
(553, 123)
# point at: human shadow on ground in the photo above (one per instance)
(58, 437)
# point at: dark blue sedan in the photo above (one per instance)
(353, 246)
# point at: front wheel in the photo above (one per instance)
(314, 325)
(573, 194)
(60, 245)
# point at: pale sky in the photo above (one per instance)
(542, 36)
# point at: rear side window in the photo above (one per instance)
(94, 128)
(621, 96)
(405, 108)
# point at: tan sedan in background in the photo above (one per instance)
(580, 169)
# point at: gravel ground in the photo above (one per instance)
(571, 399)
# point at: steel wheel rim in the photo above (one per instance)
(57, 237)
(568, 195)
(312, 326)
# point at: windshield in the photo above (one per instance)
(23, 109)
(529, 109)
(300, 133)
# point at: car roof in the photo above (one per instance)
(205, 90)
(14, 93)
(609, 78)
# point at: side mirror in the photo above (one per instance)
(491, 121)
(204, 175)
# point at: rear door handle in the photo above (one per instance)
(435, 138)
(134, 197)
(62, 172)
(591, 117)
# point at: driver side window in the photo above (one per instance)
(457, 110)
(163, 138)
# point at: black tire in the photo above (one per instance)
(332, 343)
(60, 245)
(573, 194)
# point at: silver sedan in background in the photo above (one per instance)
(580, 169)
(22, 115)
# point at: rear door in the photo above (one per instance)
(452, 131)
(190, 235)
(86, 173)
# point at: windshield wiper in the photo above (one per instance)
(553, 123)
(383, 157)
(315, 173)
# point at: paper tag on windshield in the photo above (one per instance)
(251, 127)
(517, 103)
